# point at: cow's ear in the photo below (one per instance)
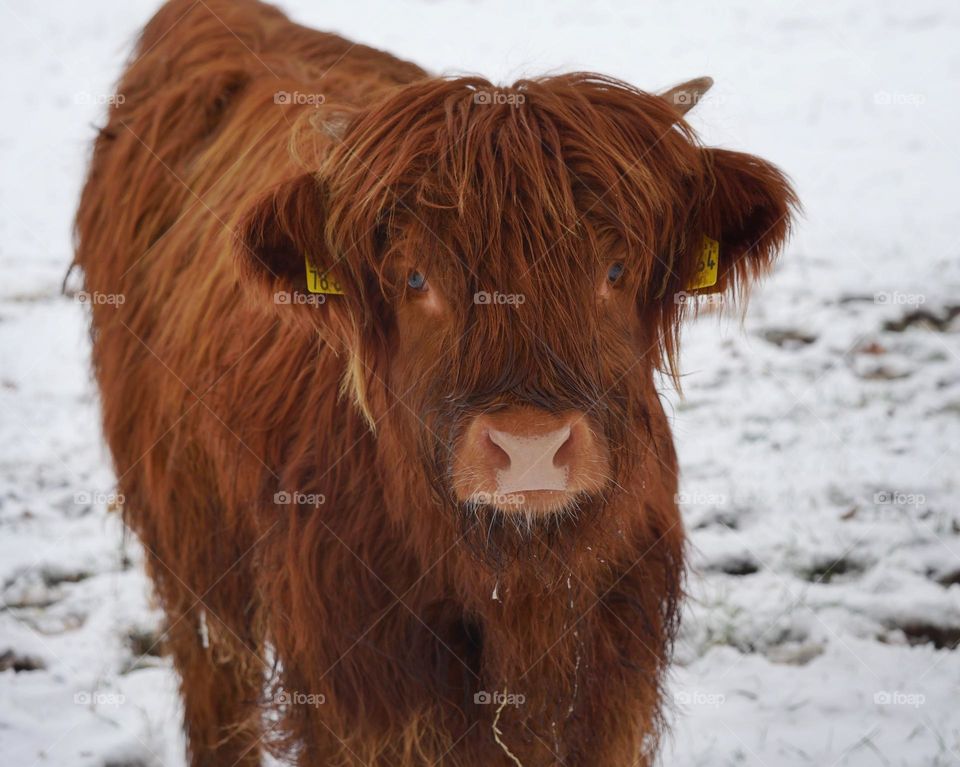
(280, 247)
(285, 263)
(747, 209)
(686, 96)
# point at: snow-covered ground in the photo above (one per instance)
(819, 440)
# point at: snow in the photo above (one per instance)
(818, 438)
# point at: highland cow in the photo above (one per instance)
(382, 392)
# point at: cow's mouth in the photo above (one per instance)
(533, 503)
(542, 528)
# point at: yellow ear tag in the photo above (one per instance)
(321, 282)
(707, 265)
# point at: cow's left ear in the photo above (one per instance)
(283, 259)
(286, 266)
(747, 207)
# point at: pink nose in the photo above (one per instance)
(531, 460)
(527, 458)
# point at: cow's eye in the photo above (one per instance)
(615, 272)
(416, 281)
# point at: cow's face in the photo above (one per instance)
(515, 265)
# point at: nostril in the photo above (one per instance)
(565, 453)
(498, 453)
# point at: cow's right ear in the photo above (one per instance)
(280, 242)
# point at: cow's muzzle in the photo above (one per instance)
(526, 459)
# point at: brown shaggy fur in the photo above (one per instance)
(363, 627)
